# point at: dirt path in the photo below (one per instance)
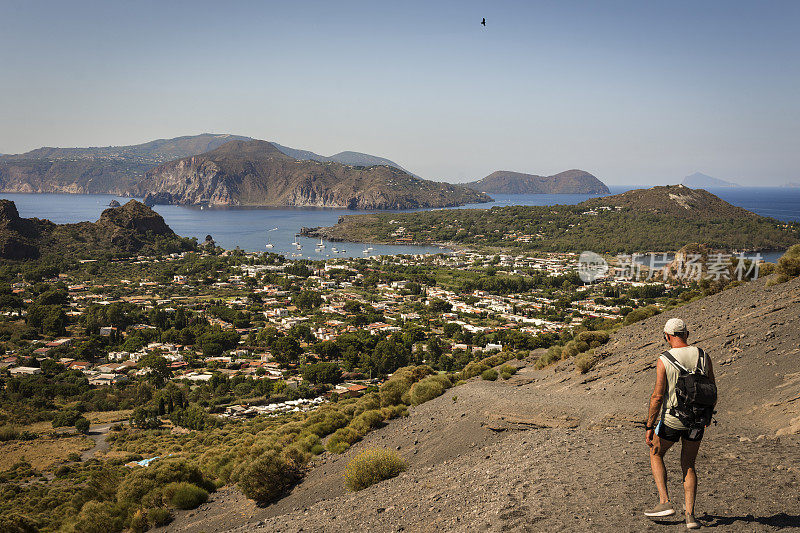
(555, 450)
(98, 434)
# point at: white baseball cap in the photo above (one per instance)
(675, 326)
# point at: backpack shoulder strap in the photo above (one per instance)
(701, 360)
(668, 356)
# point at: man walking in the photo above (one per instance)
(667, 419)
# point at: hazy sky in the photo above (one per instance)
(634, 92)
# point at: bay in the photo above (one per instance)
(252, 229)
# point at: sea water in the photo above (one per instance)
(252, 229)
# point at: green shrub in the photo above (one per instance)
(17, 523)
(427, 389)
(317, 449)
(66, 418)
(552, 355)
(507, 369)
(343, 439)
(585, 361)
(640, 314)
(489, 375)
(367, 421)
(372, 466)
(394, 411)
(143, 485)
(159, 516)
(505, 375)
(74, 456)
(138, 522)
(62, 471)
(99, 517)
(392, 391)
(82, 425)
(266, 478)
(183, 495)
(8, 432)
(789, 264)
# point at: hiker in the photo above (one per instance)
(681, 407)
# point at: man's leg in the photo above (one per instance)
(689, 451)
(660, 447)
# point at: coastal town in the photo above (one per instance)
(254, 297)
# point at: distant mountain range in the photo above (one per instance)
(345, 158)
(247, 172)
(699, 180)
(567, 182)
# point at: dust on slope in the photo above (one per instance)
(557, 450)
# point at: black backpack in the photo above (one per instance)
(696, 394)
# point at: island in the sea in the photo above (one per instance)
(700, 180)
(568, 182)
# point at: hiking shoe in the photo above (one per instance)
(662, 509)
(691, 523)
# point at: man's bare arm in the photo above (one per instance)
(657, 398)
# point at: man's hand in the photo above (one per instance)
(648, 437)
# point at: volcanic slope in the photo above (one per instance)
(556, 450)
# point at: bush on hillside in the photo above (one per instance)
(372, 466)
(789, 264)
(640, 314)
(268, 477)
(100, 517)
(367, 421)
(143, 486)
(342, 439)
(429, 388)
(159, 516)
(489, 374)
(585, 361)
(183, 495)
(507, 369)
(8, 432)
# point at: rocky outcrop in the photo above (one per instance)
(128, 229)
(567, 182)
(256, 173)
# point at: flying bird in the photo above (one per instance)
(483, 22)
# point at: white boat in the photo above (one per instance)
(321, 244)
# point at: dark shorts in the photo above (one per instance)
(674, 435)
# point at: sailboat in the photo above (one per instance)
(269, 239)
(321, 244)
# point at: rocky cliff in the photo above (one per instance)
(567, 182)
(257, 173)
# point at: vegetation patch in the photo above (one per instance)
(372, 466)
